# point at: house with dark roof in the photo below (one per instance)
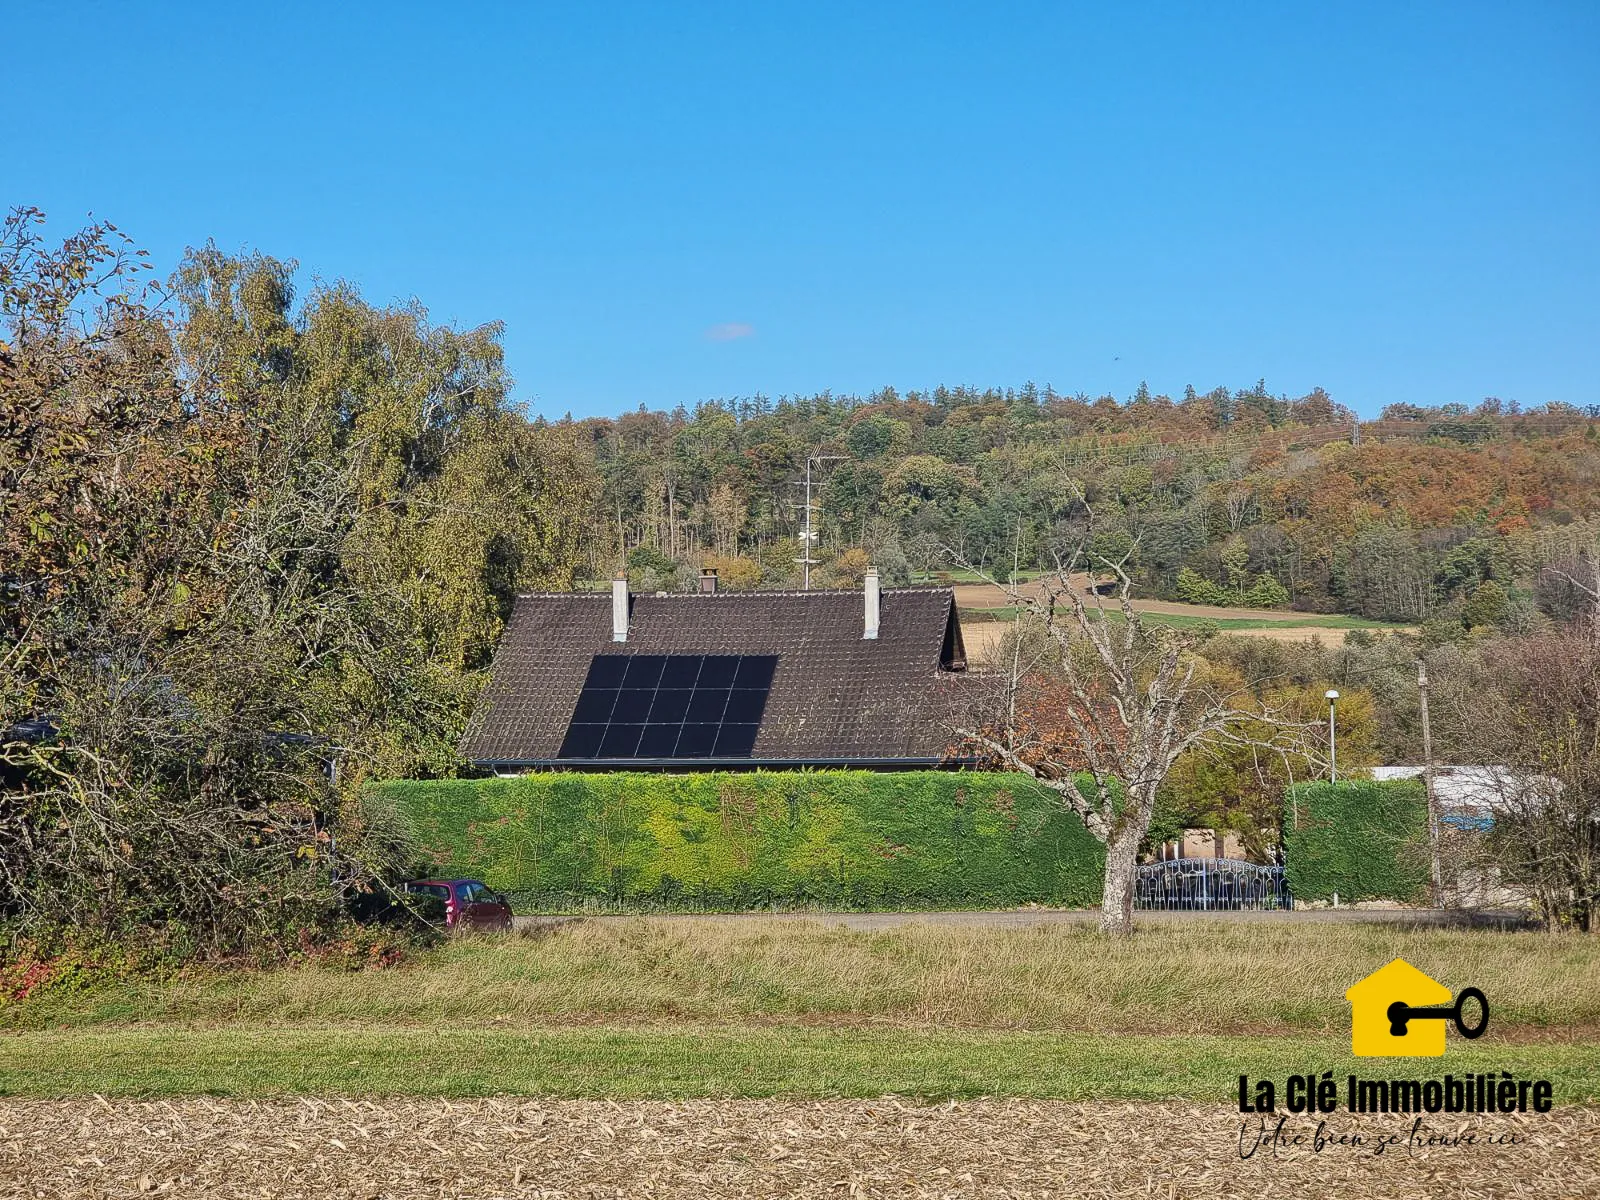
(720, 680)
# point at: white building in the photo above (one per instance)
(1470, 796)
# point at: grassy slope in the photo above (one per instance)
(787, 1007)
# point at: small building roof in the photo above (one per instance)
(1487, 788)
(835, 698)
(1396, 980)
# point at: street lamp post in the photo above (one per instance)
(1333, 749)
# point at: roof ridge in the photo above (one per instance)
(927, 589)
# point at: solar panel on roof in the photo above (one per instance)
(682, 671)
(696, 741)
(644, 670)
(745, 705)
(582, 741)
(736, 741)
(718, 670)
(756, 671)
(606, 670)
(707, 705)
(633, 705)
(659, 741)
(659, 706)
(621, 741)
(671, 705)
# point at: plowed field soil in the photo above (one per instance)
(709, 1149)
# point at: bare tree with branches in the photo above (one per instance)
(1099, 692)
(1581, 574)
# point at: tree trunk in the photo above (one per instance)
(1122, 857)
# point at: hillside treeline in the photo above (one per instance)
(1236, 497)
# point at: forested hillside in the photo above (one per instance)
(1237, 497)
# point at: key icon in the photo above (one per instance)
(1399, 1013)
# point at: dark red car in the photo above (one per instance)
(468, 903)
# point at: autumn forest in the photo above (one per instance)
(1224, 497)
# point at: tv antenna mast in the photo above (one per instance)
(808, 530)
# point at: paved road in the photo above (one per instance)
(1035, 918)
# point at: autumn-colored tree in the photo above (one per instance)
(734, 574)
(246, 543)
(1238, 783)
(846, 569)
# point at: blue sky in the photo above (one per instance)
(666, 203)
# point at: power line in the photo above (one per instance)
(808, 532)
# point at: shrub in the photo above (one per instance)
(1267, 592)
(64, 964)
(1195, 588)
(1364, 840)
(76, 962)
(854, 839)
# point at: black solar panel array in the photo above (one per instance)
(670, 706)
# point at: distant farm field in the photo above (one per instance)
(986, 612)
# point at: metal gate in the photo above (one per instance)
(1210, 883)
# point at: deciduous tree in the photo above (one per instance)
(1115, 697)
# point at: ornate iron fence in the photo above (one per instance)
(1210, 883)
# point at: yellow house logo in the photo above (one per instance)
(1398, 1011)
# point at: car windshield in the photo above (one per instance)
(429, 889)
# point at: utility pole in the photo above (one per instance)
(1427, 783)
(808, 533)
(1332, 697)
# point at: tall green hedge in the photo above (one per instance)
(857, 839)
(1362, 839)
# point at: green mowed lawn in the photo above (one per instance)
(679, 1063)
(676, 1008)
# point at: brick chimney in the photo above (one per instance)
(619, 607)
(873, 602)
(708, 580)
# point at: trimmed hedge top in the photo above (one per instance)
(1364, 840)
(858, 839)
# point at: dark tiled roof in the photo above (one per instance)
(836, 696)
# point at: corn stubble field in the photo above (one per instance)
(779, 1056)
(544, 1150)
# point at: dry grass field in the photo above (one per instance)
(1173, 978)
(982, 638)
